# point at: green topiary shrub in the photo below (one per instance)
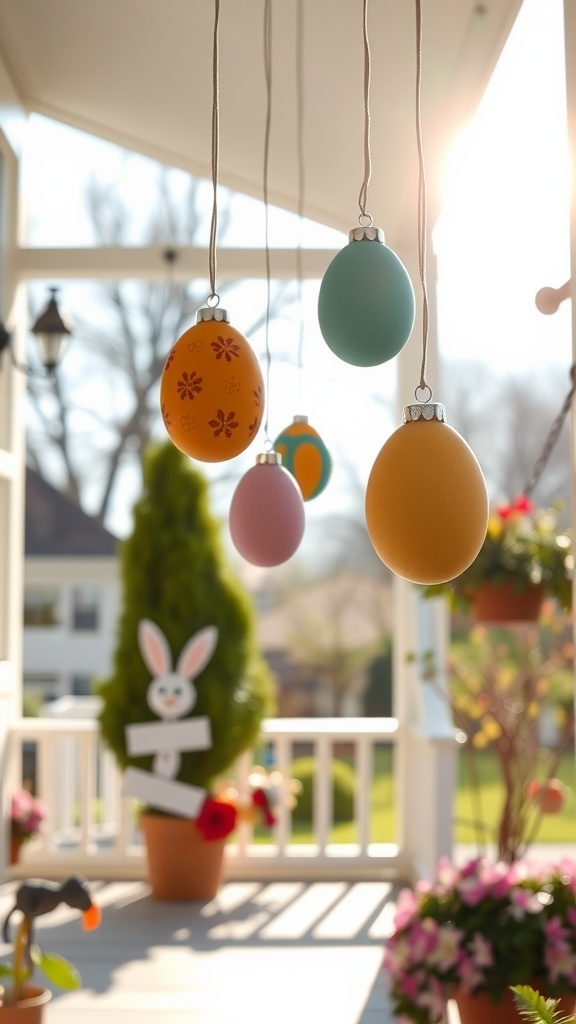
(343, 789)
(174, 572)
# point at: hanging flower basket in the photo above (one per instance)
(525, 558)
(504, 603)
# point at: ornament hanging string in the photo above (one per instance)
(553, 436)
(301, 177)
(268, 121)
(214, 298)
(422, 210)
(365, 220)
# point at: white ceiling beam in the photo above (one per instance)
(150, 263)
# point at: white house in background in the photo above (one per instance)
(71, 595)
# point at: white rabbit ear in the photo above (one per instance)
(197, 653)
(154, 647)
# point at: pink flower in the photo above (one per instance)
(433, 999)
(423, 939)
(411, 984)
(397, 957)
(447, 949)
(480, 951)
(405, 907)
(555, 931)
(26, 813)
(560, 960)
(490, 880)
(524, 902)
(470, 976)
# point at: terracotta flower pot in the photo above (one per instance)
(503, 603)
(479, 1009)
(182, 865)
(29, 1010)
(16, 845)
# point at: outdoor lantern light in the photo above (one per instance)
(267, 513)
(305, 456)
(366, 301)
(426, 499)
(212, 391)
(50, 329)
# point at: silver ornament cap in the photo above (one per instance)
(366, 233)
(424, 411)
(269, 459)
(212, 313)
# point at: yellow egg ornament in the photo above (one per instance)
(212, 390)
(426, 499)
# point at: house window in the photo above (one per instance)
(85, 608)
(41, 687)
(41, 606)
(82, 686)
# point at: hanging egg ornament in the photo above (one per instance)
(366, 301)
(305, 455)
(267, 513)
(426, 499)
(212, 390)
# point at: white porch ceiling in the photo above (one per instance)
(139, 73)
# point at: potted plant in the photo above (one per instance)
(472, 932)
(26, 816)
(21, 1002)
(175, 577)
(524, 559)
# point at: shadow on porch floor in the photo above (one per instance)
(274, 953)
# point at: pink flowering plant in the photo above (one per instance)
(482, 928)
(26, 816)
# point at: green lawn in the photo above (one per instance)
(559, 828)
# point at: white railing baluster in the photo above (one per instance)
(87, 792)
(322, 802)
(283, 763)
(364, 774)
(243, 829)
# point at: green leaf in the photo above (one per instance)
(5, 970)
(535, 1008)
(57, 969)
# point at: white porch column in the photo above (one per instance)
(12, 310)
(426, 751)
(570, 57)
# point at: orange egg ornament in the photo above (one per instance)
(212, 390)
(426, 500)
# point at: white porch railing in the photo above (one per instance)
(92, 828)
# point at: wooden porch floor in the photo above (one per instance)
(260, 953)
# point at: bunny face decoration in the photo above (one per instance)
(171, 695)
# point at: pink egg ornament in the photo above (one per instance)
(267, 513)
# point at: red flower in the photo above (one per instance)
(216, 819)
(260, 800)
(521, 505)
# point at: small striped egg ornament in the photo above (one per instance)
(305, 456)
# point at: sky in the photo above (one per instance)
(503, 234)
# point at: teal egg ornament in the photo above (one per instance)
(366, 301)
(305, 456)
